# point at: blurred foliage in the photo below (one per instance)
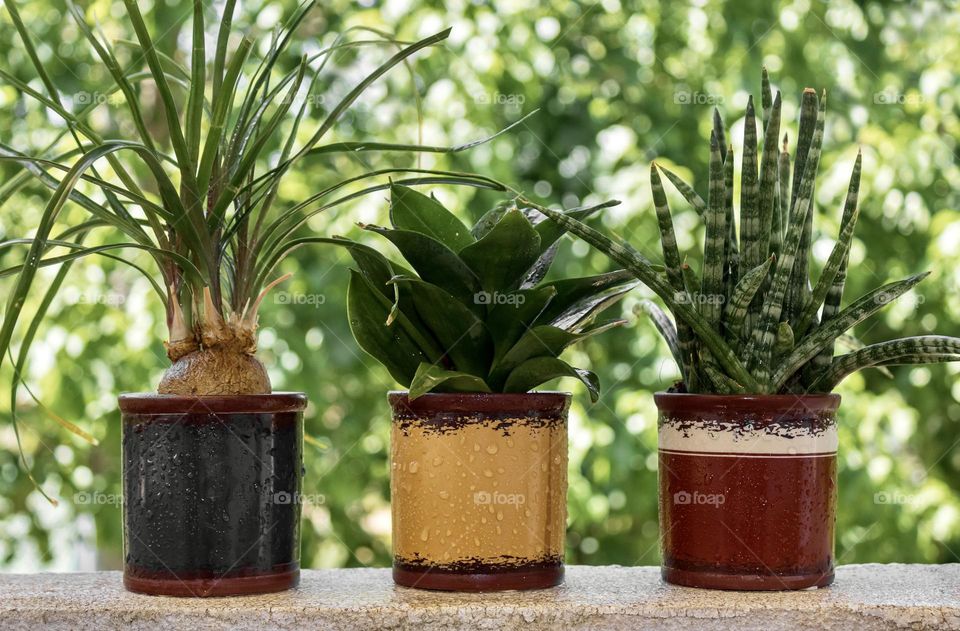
(618, 83)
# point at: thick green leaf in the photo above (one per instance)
(501, 258)
(410, 210)
(367, 311)
(514, 314)
(539, 370)
(582, 312)
(491, 218)
(463, 338)
(574, 291)
(431, 378)
(435, 263)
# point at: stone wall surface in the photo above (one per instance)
(863, 598)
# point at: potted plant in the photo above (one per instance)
(478, 461)
(212, 462)
(747, 437)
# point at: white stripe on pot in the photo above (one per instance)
(738, 440)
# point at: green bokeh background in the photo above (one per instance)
(617, 84)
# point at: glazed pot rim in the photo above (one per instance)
(153, 403)
(470, 402)
(685, 401)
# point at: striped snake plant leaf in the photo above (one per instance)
(762, 338)
(645, 271)
(722, 384)
(840, 254)
(751, 240)
(857, 312)
(672, 263)
(785, 281)
(766, 198)
(692, 350)
(766, 100)
(712, 293)
(696, 202)
(668, 237)
(735, 312)
(782, 211)
(908, 350)
(785, 340)
(731, 267)
(809, 107)
(550, 232)
(667, 330)
(808, 148)
(720, 131)
(834, 295)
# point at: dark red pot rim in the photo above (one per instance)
(151, 403)
(481, 402)
(776, 403)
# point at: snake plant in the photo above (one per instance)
(753, 321)
(196, 189)
(473, 313)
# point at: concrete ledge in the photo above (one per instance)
(864, 597)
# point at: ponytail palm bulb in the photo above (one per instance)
(754, 320)
(472, 312)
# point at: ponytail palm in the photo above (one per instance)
(753, 321)
(199, 196)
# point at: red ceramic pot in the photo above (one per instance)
(211, 493)
(478, 488)
(748, 490)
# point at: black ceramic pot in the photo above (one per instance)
(211, 493)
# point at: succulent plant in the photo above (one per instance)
(753, 321)
(473, 312)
